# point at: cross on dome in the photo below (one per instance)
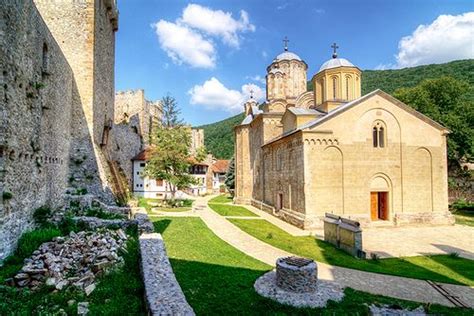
(286, 40)
(251, 94)
(334, 47)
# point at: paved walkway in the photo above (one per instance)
(397, 287)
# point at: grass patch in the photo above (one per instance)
(218, 279)
(464, 217)
(231, 210)
(147, 204)
(100, 213)
(440, 268)
(119, 291)
(223, 198)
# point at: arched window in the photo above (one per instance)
(381, 137)
(348, 83)
(375, 136)
(378, 135)
(334, 87)
(322, 91)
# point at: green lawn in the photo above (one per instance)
(119, 291)
(464, 217)
(440, 268)
(218, 279)
(223, 198)
(231, 210)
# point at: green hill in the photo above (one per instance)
(219, 136)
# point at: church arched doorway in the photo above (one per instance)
(379, 198)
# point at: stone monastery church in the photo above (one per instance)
(370, 158)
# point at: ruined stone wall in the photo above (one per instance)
(84, 31)
(197, 139)
(126, 143)
(37, 96)
(133, 102)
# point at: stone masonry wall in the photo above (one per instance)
(85, 32)
(36, 92)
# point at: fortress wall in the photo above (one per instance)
(36, 92)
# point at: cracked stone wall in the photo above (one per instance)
(36, 91)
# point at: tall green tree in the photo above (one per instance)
(171, 112)
(170, 158)
(230, 177)
(445, 100)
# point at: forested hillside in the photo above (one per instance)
(219, 136)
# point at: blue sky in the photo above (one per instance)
(209, 54)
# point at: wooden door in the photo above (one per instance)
(383, 205)
(374, 206)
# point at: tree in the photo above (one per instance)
(230, 177)
(171, 112)
(444, 100)
(170, 158)
(201, 153)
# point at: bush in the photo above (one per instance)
(100, 213)
(463, 205)
(6, 195)
(41, 216)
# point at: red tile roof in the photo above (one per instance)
(144, 154)
(220, 166)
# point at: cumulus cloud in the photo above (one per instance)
(212, 94)
(189, 39)
(447, 38)
(257, 78)
(217, 23)
(184, 45)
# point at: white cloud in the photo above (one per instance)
(283, 6)
(447, 38)
(257, 78)
(182, 44)
(264, 54)
(217, 23)
(213, 95)
(320, 11)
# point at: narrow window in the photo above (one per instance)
(323, 93)
(381, 137)
(45, 61)
(334, 84)
(374, 136)
(347, 88)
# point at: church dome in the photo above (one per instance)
(286, 55)
(336, 62)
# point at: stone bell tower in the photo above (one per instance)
(337, 82)
(286, 80)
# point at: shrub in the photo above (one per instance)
(41, 216)
(100, 213)
(6, 195)
(463, 205)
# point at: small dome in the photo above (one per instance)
(336, 62)
(286, 55)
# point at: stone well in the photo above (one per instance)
(296, 274)
(295, 282)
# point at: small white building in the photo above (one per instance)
(219, 169)
(144, 186)
(208, 175)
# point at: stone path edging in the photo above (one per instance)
(387, 285)
(162, 291)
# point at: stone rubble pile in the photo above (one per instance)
(74, 260)
(385, 310)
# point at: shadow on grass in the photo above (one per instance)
(439, 268)
(161, 225)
